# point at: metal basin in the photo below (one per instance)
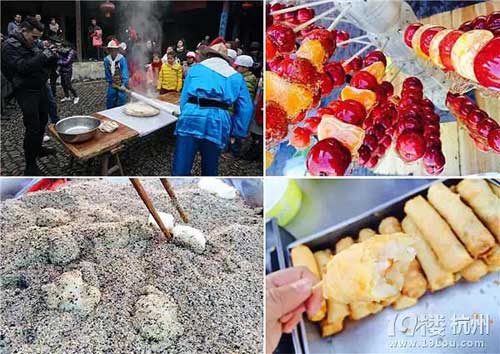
(77, 129)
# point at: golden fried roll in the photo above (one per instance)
(474, 235)
(365, 234)
(492, 259)
(336, 313)
(389, 225)
(495, 189)
(415, 283)
(303, 256)
(334, 322)
(390, 300)
(474, 271)
(485, 203)
(404, 302)
(437, 276)
(438, 234)
(343, 244)
(372, 270)
(362, 309)
(322, 258)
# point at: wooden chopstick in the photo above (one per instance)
(171, 193)
(149, 204)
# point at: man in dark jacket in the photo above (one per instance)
(25, 65)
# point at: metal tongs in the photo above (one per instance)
(152, 210)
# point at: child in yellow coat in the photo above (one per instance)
(170, 76)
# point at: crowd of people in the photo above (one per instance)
(218, 81)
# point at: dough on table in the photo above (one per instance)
(140, 109)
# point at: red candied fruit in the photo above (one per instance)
(410, 32)
(328, 157)
(301, 137)
(364, 80)
(336, 73)
(410, 146)
(325, 37)
(351, 112)
(276, 122)
(282, 37)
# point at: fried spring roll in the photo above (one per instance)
(343, 243)
(322, 258)
(389, 301)
(492, 259)
(486, 204)
(495, 189)
(415, 283)
(365, 234)
(361, 309)
(474, 235)
(336, 313)
(334, 322)
(475, 271)
(372, 270)
(303, 256)
(404, 302)
(437, 276)
(438, 234)
(389, 225)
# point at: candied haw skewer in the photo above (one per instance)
(481, 128)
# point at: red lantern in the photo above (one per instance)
(247, 5)
(107, 8)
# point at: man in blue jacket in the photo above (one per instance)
(205, 124)
(116, 70)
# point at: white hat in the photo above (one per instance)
(232, 53)
(244, 60)
(191, 54)
(123, 46)
(112, 44)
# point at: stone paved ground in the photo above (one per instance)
(149, 156)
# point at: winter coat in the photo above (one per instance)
(25, 67)
(12, 27)
(214, 79)
(251, 82)
(121, 75)
(170, 77)
(66, 60)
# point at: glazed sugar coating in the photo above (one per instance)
(218, 294)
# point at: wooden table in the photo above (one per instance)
(104, 145)
(170, 97)
(462, 156)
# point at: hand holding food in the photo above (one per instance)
(372, 270)
(289, 293)
(446, 235)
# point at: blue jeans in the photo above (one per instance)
(186, 148)
(52, 106)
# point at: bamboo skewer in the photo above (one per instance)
(171, 193)
(339, 17)
(298, 7)
(149, 204)
(314, 19)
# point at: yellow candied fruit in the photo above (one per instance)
(366, 97)
(313, 51)
(292, 97)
